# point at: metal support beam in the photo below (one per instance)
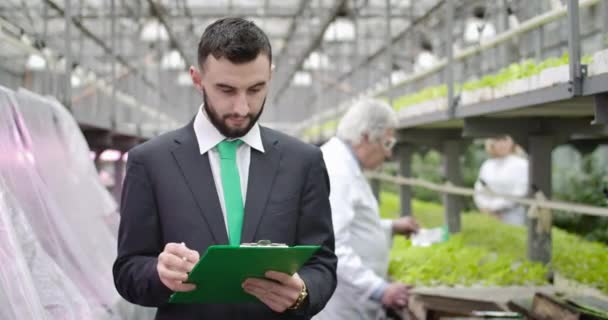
(89, 34)
(604, 8)
(158, 11)
(389, 49)
(539, 234)
(449, 70)
(503, 26)
(404, 154)
(67, 99)
(290, 69)
(451, 167)
(395, 40)
(113, 111)
(291, 31)
(98, 140)
(119, 170)
(601, 108)
(574, 47)
(562, 129)
(432, 138)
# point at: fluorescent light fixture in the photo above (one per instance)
(316, 61)
(302, 79)
(47, 52)
(398, 76)
(35, 62)
(340, 30)
(110, 155)
(75, 80)
(154, 31)
(172, 61)
(472, 31)
(26, 39)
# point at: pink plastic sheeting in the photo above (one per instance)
(83, 245)
(17, 291)
(57, 294)
(54, 293)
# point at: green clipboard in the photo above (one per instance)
(221, 271)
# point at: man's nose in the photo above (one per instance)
(241, 106)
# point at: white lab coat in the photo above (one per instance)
(363, 240)
(507, 175)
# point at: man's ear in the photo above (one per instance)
(196, 77)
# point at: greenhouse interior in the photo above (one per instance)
(474, 132)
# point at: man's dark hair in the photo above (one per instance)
(235, 39)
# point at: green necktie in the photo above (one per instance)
(231, 183)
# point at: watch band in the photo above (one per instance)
(303, 294)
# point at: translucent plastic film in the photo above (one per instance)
(85, 247)
(57, 222)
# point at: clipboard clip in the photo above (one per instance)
(264, 243)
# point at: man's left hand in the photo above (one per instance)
(279, 292)
(405, 226)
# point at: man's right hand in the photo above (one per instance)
(174, 264)
(396, 295)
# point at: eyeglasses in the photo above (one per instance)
(389, 143)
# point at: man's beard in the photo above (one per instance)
(220, 123)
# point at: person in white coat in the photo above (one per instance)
(364, 140)
(505, 172)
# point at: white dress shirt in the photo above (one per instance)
(508, 175)
(208, 138)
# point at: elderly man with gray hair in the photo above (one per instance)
(365, 138)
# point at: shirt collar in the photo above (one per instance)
(349, 147)
(208, 136)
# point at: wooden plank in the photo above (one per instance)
(545, 307)
(458, 306)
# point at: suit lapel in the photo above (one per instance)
(196, 171)
(263, 168)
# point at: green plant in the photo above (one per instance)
(423, 95)
(583, 184)
(488, 252)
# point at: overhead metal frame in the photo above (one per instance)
(286, 69)
(158, 11)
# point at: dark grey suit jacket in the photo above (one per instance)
(169, 196)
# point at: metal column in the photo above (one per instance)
(67, 99)
(389, 51)
(574, 47)
(404, 154)
(503, 26)
(538, 34)
(450, 54)
(451, 166)
(539, 240)
(113, 109)
(604, 8)
(119, 170)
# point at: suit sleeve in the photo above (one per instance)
(139, 240)
(315, 227)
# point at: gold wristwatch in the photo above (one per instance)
(300, 301)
